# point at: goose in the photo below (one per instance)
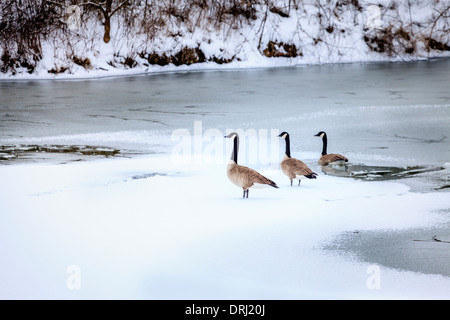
(332, 158)
(242, 176)
(294, 168)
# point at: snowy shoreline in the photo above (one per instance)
(166, 36)
(266, 63)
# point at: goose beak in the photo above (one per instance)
(317, 135)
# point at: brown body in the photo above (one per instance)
(245, 177)
(296, 169)
(331, 158)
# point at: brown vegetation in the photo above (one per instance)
(27, 25)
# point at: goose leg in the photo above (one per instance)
(243, 196)
(247, 193)
(299, 180)
(291, 183)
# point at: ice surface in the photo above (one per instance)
(373, 112)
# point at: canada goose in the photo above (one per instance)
(294, 168)
(331, 158)
(242, 176)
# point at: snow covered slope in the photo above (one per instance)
(162, 36)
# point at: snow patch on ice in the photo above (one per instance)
(186, 233)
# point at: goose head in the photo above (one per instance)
(232, 136)
(284, 135)
(321, 134)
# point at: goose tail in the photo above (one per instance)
(313, 175)
(273, 184)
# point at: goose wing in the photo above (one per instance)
(251, 176)
(332, 157)
(299, 167)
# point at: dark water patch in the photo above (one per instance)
(396, 136)
(148, 175)
(423, 250)
(394, 92)
(433, 239)
(139, 109)
(151, 109)
(35, 105)
(177, 112)
(65, 97)
(26, 121)
(377, 173)
(9, 153)
(124, 118)
(422, 139)
(248, 92)
(379, 148)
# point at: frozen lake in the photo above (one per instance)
(172, 229)
(395, 111)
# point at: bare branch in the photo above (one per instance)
(118, 7)
(54, 3)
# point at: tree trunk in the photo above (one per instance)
(107, 36)
(107, 15)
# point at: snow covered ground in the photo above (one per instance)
(154, 227)
(148, 228)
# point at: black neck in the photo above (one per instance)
(288, 146)
(234, 154)
(324, 148)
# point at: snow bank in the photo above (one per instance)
(279, 33)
